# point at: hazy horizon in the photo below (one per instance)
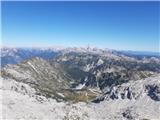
(115, 25)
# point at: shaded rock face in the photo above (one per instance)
(121, 93)
(129, 114)
(154, 92)
(133, 90)
(116, 93)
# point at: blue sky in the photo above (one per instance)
(116, 25)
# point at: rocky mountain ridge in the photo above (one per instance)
(18, 97)
(82, 84)
(71, 75)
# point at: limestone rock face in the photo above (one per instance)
(133, 90)
(20, 101)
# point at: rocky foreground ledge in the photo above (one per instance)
(19, 101)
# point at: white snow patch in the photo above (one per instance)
(80, 86)
(61, 94)
(100, 62)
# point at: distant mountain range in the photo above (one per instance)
(141, 53)
(17, 55)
